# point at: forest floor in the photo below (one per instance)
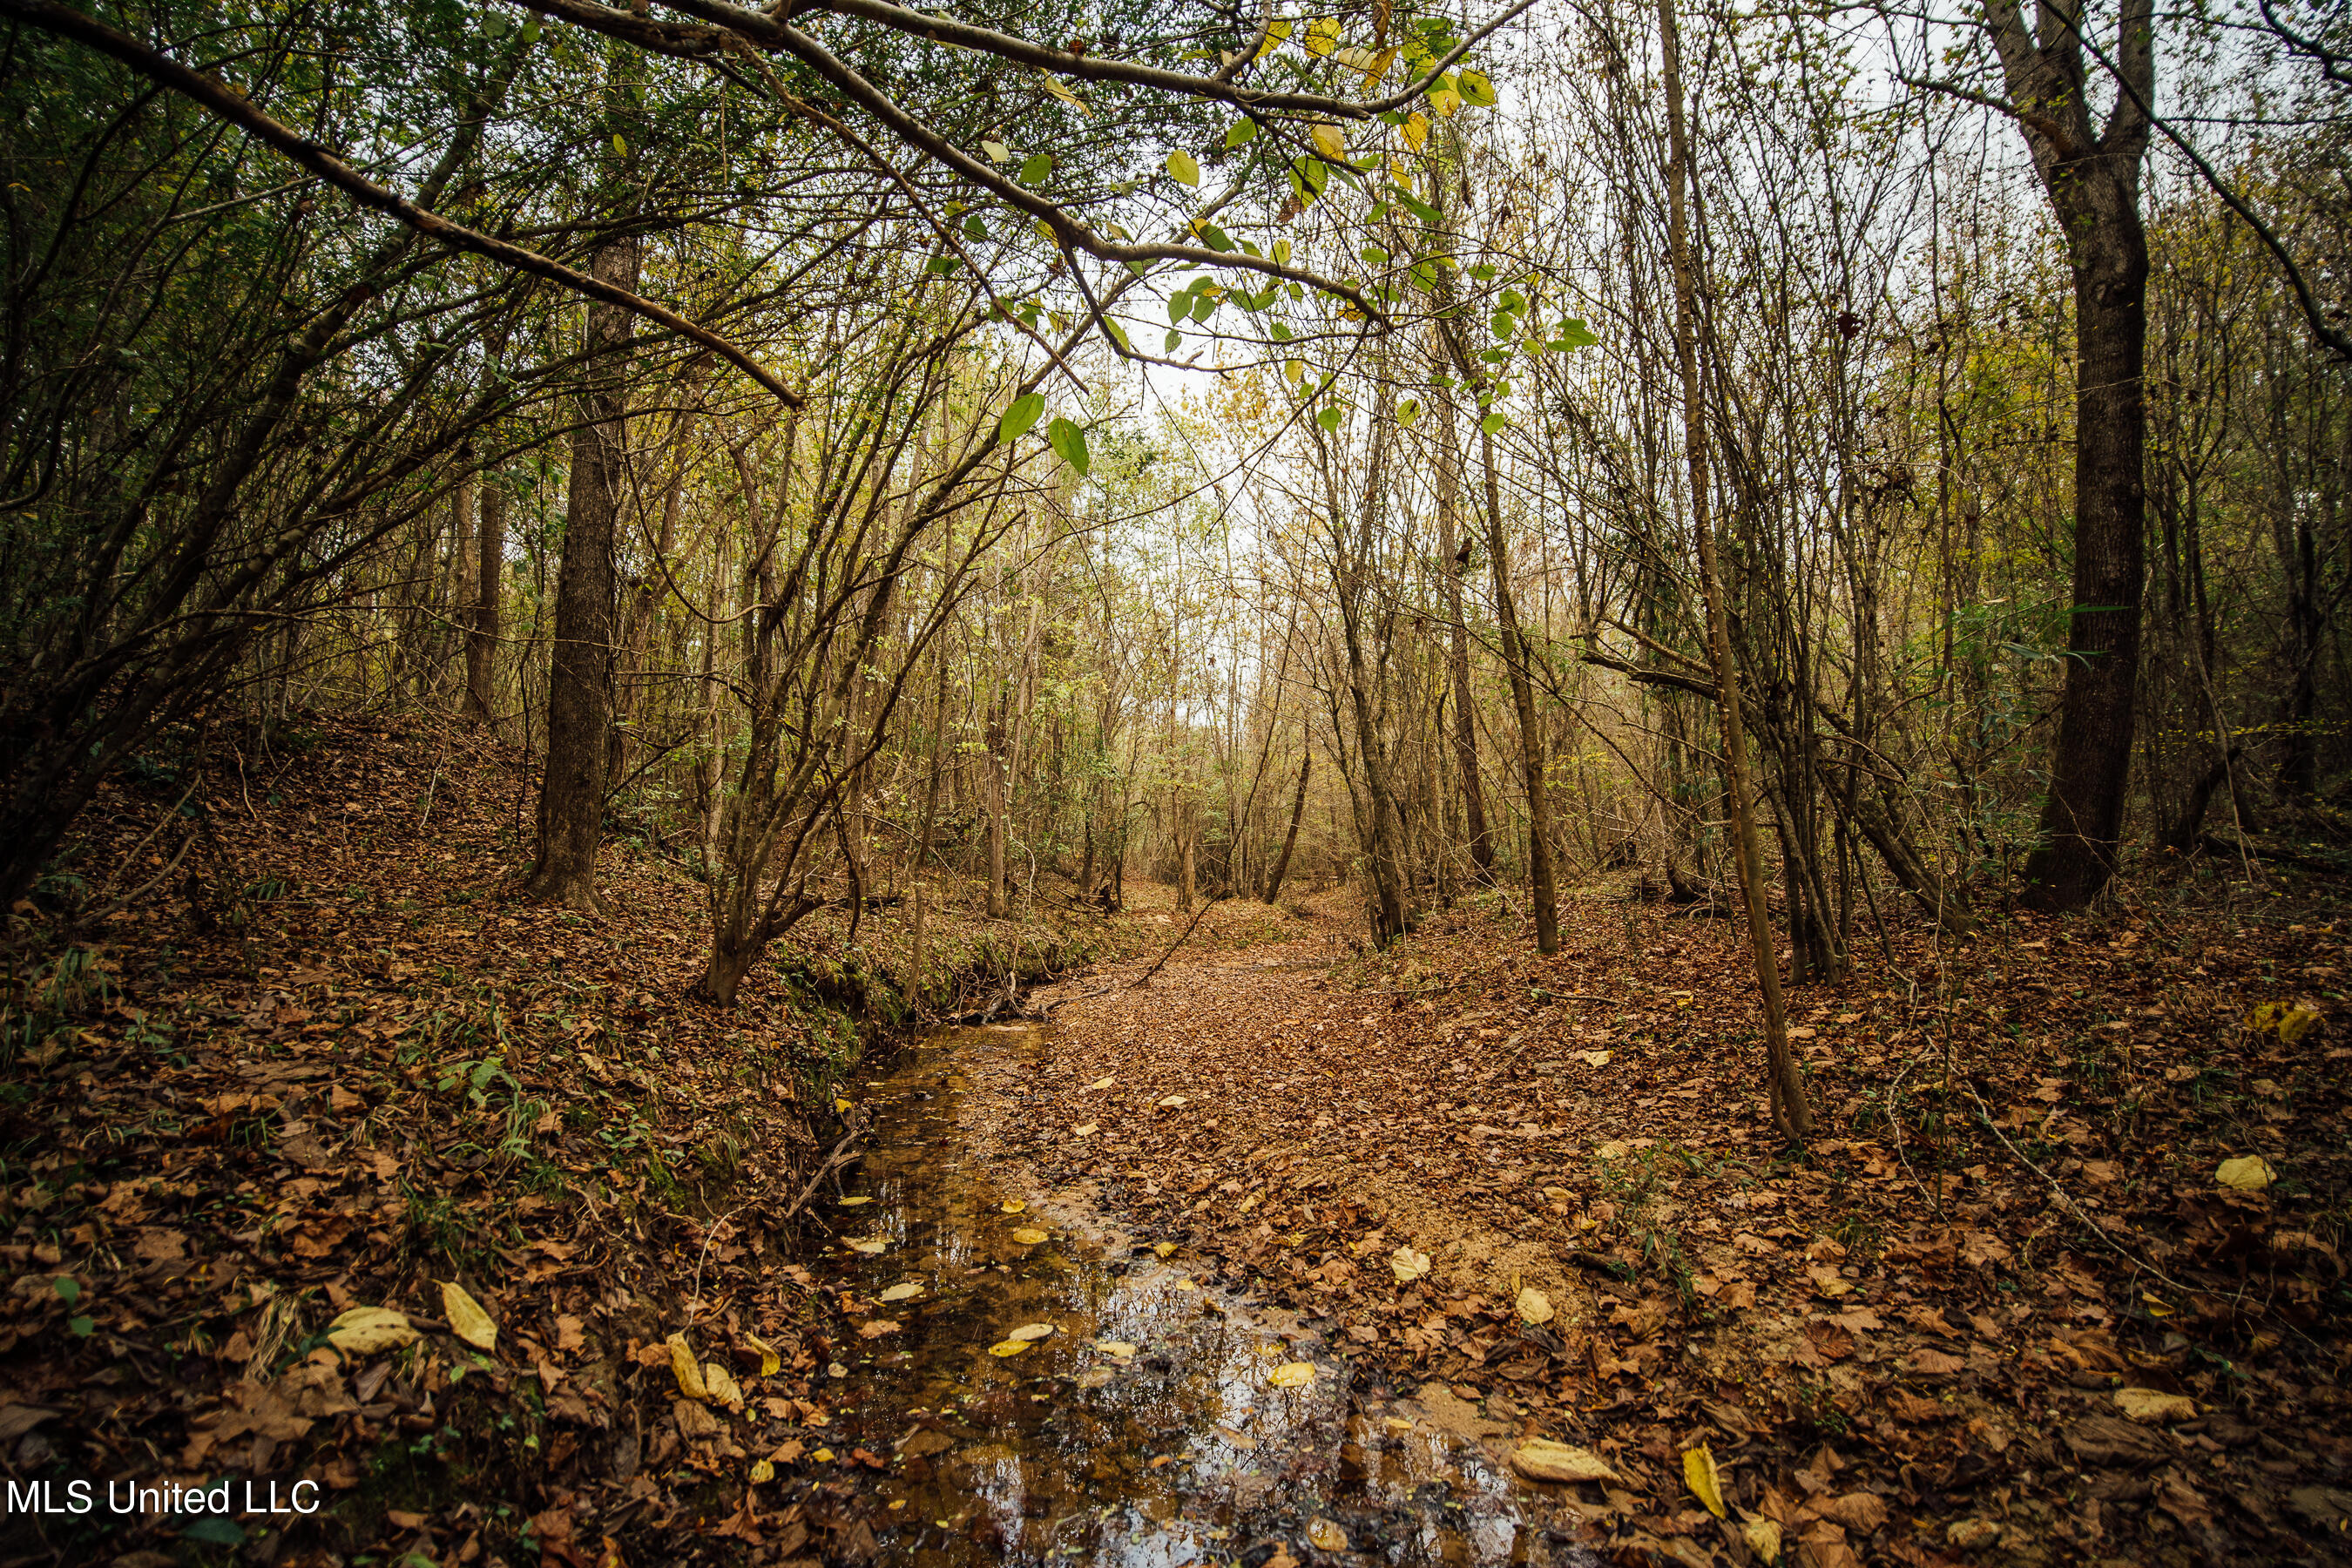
(1999, 1309)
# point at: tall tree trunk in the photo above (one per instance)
(1533, 761)
(2092, 181)
(1456, 550)
(1790, 1113)
(482, 625)
(1290, 839)
(579, 676)
(463, 572)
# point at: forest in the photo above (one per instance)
(1575, 773)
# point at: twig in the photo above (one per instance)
(1145, 978)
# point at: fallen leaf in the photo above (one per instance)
(1327, 1535)
(1009, 1347)
(1595, 1058)
(467, 1318)
(1100, 1083)
(904, 1292)
(870, 1248)
(2250, 1173)
(1014, 1206)
(770, 1363)
(1408, 1264)
(1118, 1348)
(1031, 1331)
(720, 1386)
(1862, 1512)
(1292, 1374)
(1028, 1237)
(1699, 1473)
(364, 1330)
(875, 1328)
(1541, 1459)
(1088, 1131)
(763, 1472)
(1535, 1306)
(1763, 1538)
(2152, 1408)
(1173, 1101)
(1165, 1249)
(1968, 1534)
(687, 1370)
(852, 1203)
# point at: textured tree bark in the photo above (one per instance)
(463, 572)
(580, 679)
(2092, 180)
(1533, 762)
(1792, 1114)
(1290, 839)
(1465, 716)
(482, 626)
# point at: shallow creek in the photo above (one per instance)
(1151, 1428)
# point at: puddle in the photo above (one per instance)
(1191, 1447)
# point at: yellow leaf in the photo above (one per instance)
(1014, 1206)
(1031, 1331)
(1293, 371)
(1541, 1459)
(687, 1370)
(1444, 103)
(467, 1318)
(720, 1384)
(1099, 1084)
(1175, 1101)
(852, 1203)
(1535, 1306)
(1025, 1236)
(761, 1473)
(2250, 1173)
(1408, 1264)
(1594, 1059)
(1118, 1348)
(908, 1290)
(1415, 130)
(1275, 33)
(1763, 1538)
(870, 1248)
(823, 1456)
(1322, 36)
(1698, 1470)
(1165, 1249)
(2153, 1408)
(1292, 1374)
(1008, 1347)
(363, 1330)
(1060, 90)
(843, 1106)
(770, 1363)
(1329, 142)
(1088, 1131)
(2300, 1021)
(1327, 1535)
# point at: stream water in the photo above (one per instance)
(1155, 1425)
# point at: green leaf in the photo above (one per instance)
(1204, 305)
(1475, 89)
(1308, 175)
(1282, 253)
(1281, 332)
(1175, 341)
(1408, 412)
(1118, 334)
(1020, 417)
(1214, 238)
(1069, 444)
(1374, 256)
(1505, 323)
(1034, 171)
(80, 1327)
(1183, 168)
(1179, 307)
(1574, 334)
(1483, 272)
(68, 1290)
(939, 266)
(1493, 422)
(1241, 133)
(974, 227)
(1328, 416)
(620, 145)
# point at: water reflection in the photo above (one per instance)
(1152, 1427)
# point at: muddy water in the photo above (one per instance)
(1153, 1425)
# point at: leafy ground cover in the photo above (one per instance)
(2007, 1307)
